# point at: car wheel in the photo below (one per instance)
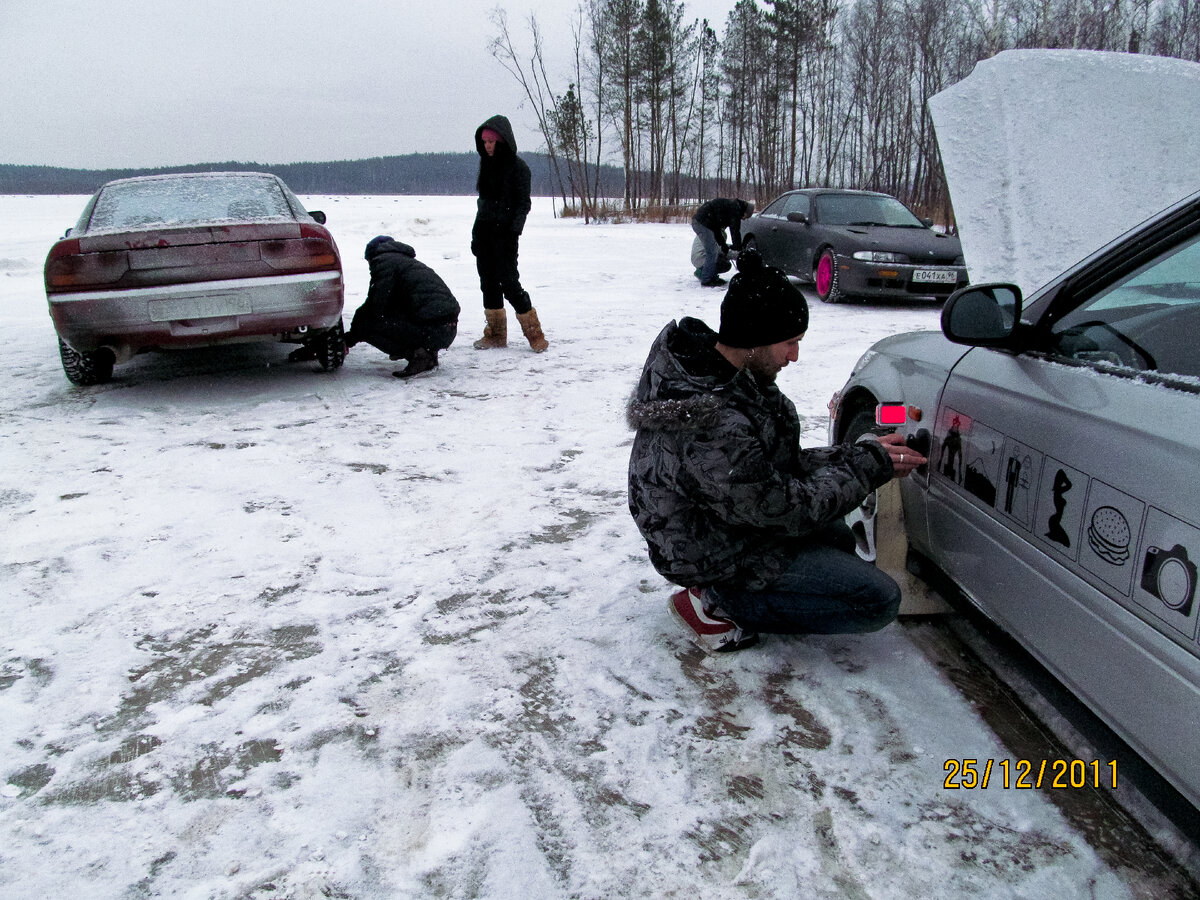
(331, 347)
(863, 519)
(86, 369)
(825, 277)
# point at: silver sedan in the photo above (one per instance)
(1063, 487)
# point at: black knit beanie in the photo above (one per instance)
(373, 245)
(761, 306)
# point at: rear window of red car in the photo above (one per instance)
(166, 202)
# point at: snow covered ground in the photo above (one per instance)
(272, 632)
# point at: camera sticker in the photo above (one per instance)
(1166, 572)
(1021, 468)
(1111, 526)
(1060, 507)
(968, 453)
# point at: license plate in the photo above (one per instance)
(938, 276)
(209, 307)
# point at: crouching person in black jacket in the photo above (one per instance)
(409, 312)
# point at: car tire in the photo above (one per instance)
(825, 277)
(331, 347)
(863, 518)
(86, 369)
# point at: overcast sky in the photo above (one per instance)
(112, 83)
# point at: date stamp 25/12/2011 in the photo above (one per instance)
(1025, 774)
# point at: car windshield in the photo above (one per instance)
(864, 209)
(157, 202)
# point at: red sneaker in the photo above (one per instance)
(711, 629)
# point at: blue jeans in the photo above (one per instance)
(825, 590)
(712, 251)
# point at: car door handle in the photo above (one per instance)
(919, 441)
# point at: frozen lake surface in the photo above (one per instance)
(272, 632)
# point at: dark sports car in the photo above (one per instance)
(195, 259)
(857, 244)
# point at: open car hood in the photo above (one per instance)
(1050, 154)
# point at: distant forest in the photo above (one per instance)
(791, 93)
(418, 173)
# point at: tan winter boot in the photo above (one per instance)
(533, 330)
(495, 334)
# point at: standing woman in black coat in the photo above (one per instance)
(503, 205)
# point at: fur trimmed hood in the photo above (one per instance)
(683, 381)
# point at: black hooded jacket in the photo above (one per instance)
(717, 215)
(402, 289)
(503, 185)
(718, 483)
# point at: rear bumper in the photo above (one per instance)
(898, 281)
(210, 312)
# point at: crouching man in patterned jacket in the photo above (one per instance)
(733, 510)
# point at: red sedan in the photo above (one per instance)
(187, 260)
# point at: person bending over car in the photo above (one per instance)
(409, 312)
(731, 507)
(709, 223)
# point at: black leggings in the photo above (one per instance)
(496, 261)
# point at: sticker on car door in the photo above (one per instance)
(1061, 497)
(1022, 467)
(1166, 572)
(1137, 550)
(969, 454)
(1112, 529)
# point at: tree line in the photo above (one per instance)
(793, 92)
(415, 173)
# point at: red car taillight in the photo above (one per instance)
(312, 251)
(67, 269)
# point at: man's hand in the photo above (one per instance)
(904, 459)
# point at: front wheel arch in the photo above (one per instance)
(858, 402)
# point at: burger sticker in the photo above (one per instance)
(1109, 535)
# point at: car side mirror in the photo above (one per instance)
(318, 216)
(927, 222)
(982, 315)
(798, 217)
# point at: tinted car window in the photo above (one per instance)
(848, 209)
(776, 208)
(796, 203)
(1146, 320)
(153, 203)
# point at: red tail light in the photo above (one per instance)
(312, 251)
(67, 269)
